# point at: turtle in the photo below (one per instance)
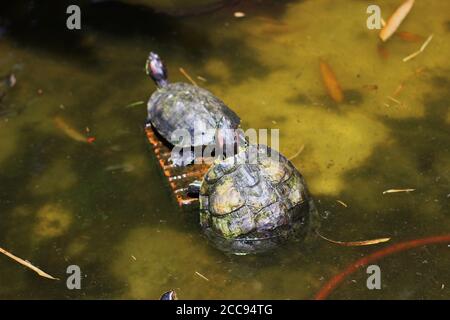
(184, 108)
(169, 295)
(253, 201)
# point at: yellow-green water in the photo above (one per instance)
(107, 208)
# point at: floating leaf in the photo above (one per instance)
(396, 19)
(69, 131)
(409, 36)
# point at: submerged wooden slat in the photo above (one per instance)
(178, 178)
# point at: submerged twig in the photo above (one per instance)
(401, 86)
(355, 243)
(394, 100)
(425, 44)
(184, 73)
(27, 264)
(201, 276)
(422, 48)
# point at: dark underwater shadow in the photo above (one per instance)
(413, 157)
(42, 25)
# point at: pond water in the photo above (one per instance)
(107, 208)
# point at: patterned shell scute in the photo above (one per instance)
(226, 198)
(184, 106)
(276, 171)
(222, 167)
(237, 223)
(260, 195)
(293, 191)
(272, 216)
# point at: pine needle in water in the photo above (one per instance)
(394, 100)
(184, 73)
(398, 190)
(27, 264)
(342, 203)
(355, 243)
(300, 150)
(134, 104)
(201, 276)
(422, 48)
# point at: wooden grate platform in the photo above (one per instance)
(178, 178)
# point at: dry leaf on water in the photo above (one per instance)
(69, 131)
(330, 82)
(396, 19)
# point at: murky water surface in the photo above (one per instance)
(106, 207)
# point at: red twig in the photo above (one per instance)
(329, 287)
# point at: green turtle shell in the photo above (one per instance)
(184, 106)
(254, 201)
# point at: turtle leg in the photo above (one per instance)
(194, 188)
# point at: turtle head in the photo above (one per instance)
(155, 68)
(169, 295)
